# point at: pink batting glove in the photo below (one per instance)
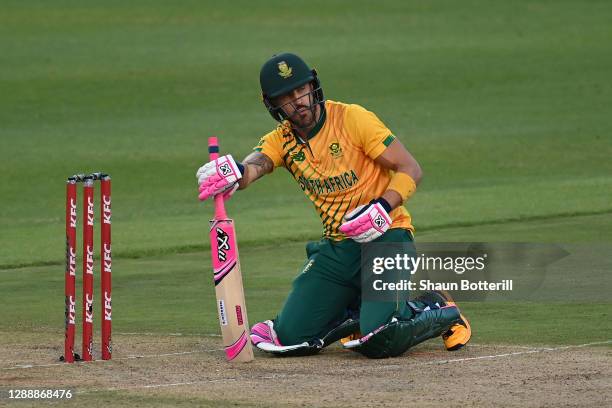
(366, 222)
(263, 332)
(217, 177)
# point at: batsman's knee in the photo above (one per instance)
(290, 332)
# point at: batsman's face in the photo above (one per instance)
(297, 105)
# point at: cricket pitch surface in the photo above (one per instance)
(190, 370)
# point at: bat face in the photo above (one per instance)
(224, 254)
(229, 291)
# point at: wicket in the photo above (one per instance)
(88, 266)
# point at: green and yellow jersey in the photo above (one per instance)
(336, 170)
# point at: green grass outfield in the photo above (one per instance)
(505, 105)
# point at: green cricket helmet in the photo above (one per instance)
(283, 73)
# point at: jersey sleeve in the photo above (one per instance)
(271, 146)
(367, 131)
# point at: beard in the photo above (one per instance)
(304, 117)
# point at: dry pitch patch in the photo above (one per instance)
(190, 370)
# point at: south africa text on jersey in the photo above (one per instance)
(328, 185)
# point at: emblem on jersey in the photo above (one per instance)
(335, 150)
(284, 70)
(298, 156)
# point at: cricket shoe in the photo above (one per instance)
(460, 333)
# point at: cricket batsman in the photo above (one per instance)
(358, 176)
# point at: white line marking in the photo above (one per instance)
(458, 360)
(531, 350)
(494, 356)
(131, 357)
(506, 346)
(518, 353)
(167, 334)
(179, 353)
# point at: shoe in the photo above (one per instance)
(350, 337)
(460, 333)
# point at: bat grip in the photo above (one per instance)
(213, 154)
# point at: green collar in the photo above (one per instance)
(313, 132)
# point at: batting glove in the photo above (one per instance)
(367, 222)
(219, 176)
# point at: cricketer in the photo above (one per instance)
(358, 176)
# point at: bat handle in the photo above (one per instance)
(213, 152)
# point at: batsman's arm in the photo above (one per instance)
(407, 175)
(255, 165)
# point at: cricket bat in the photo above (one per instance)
(228, 279)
